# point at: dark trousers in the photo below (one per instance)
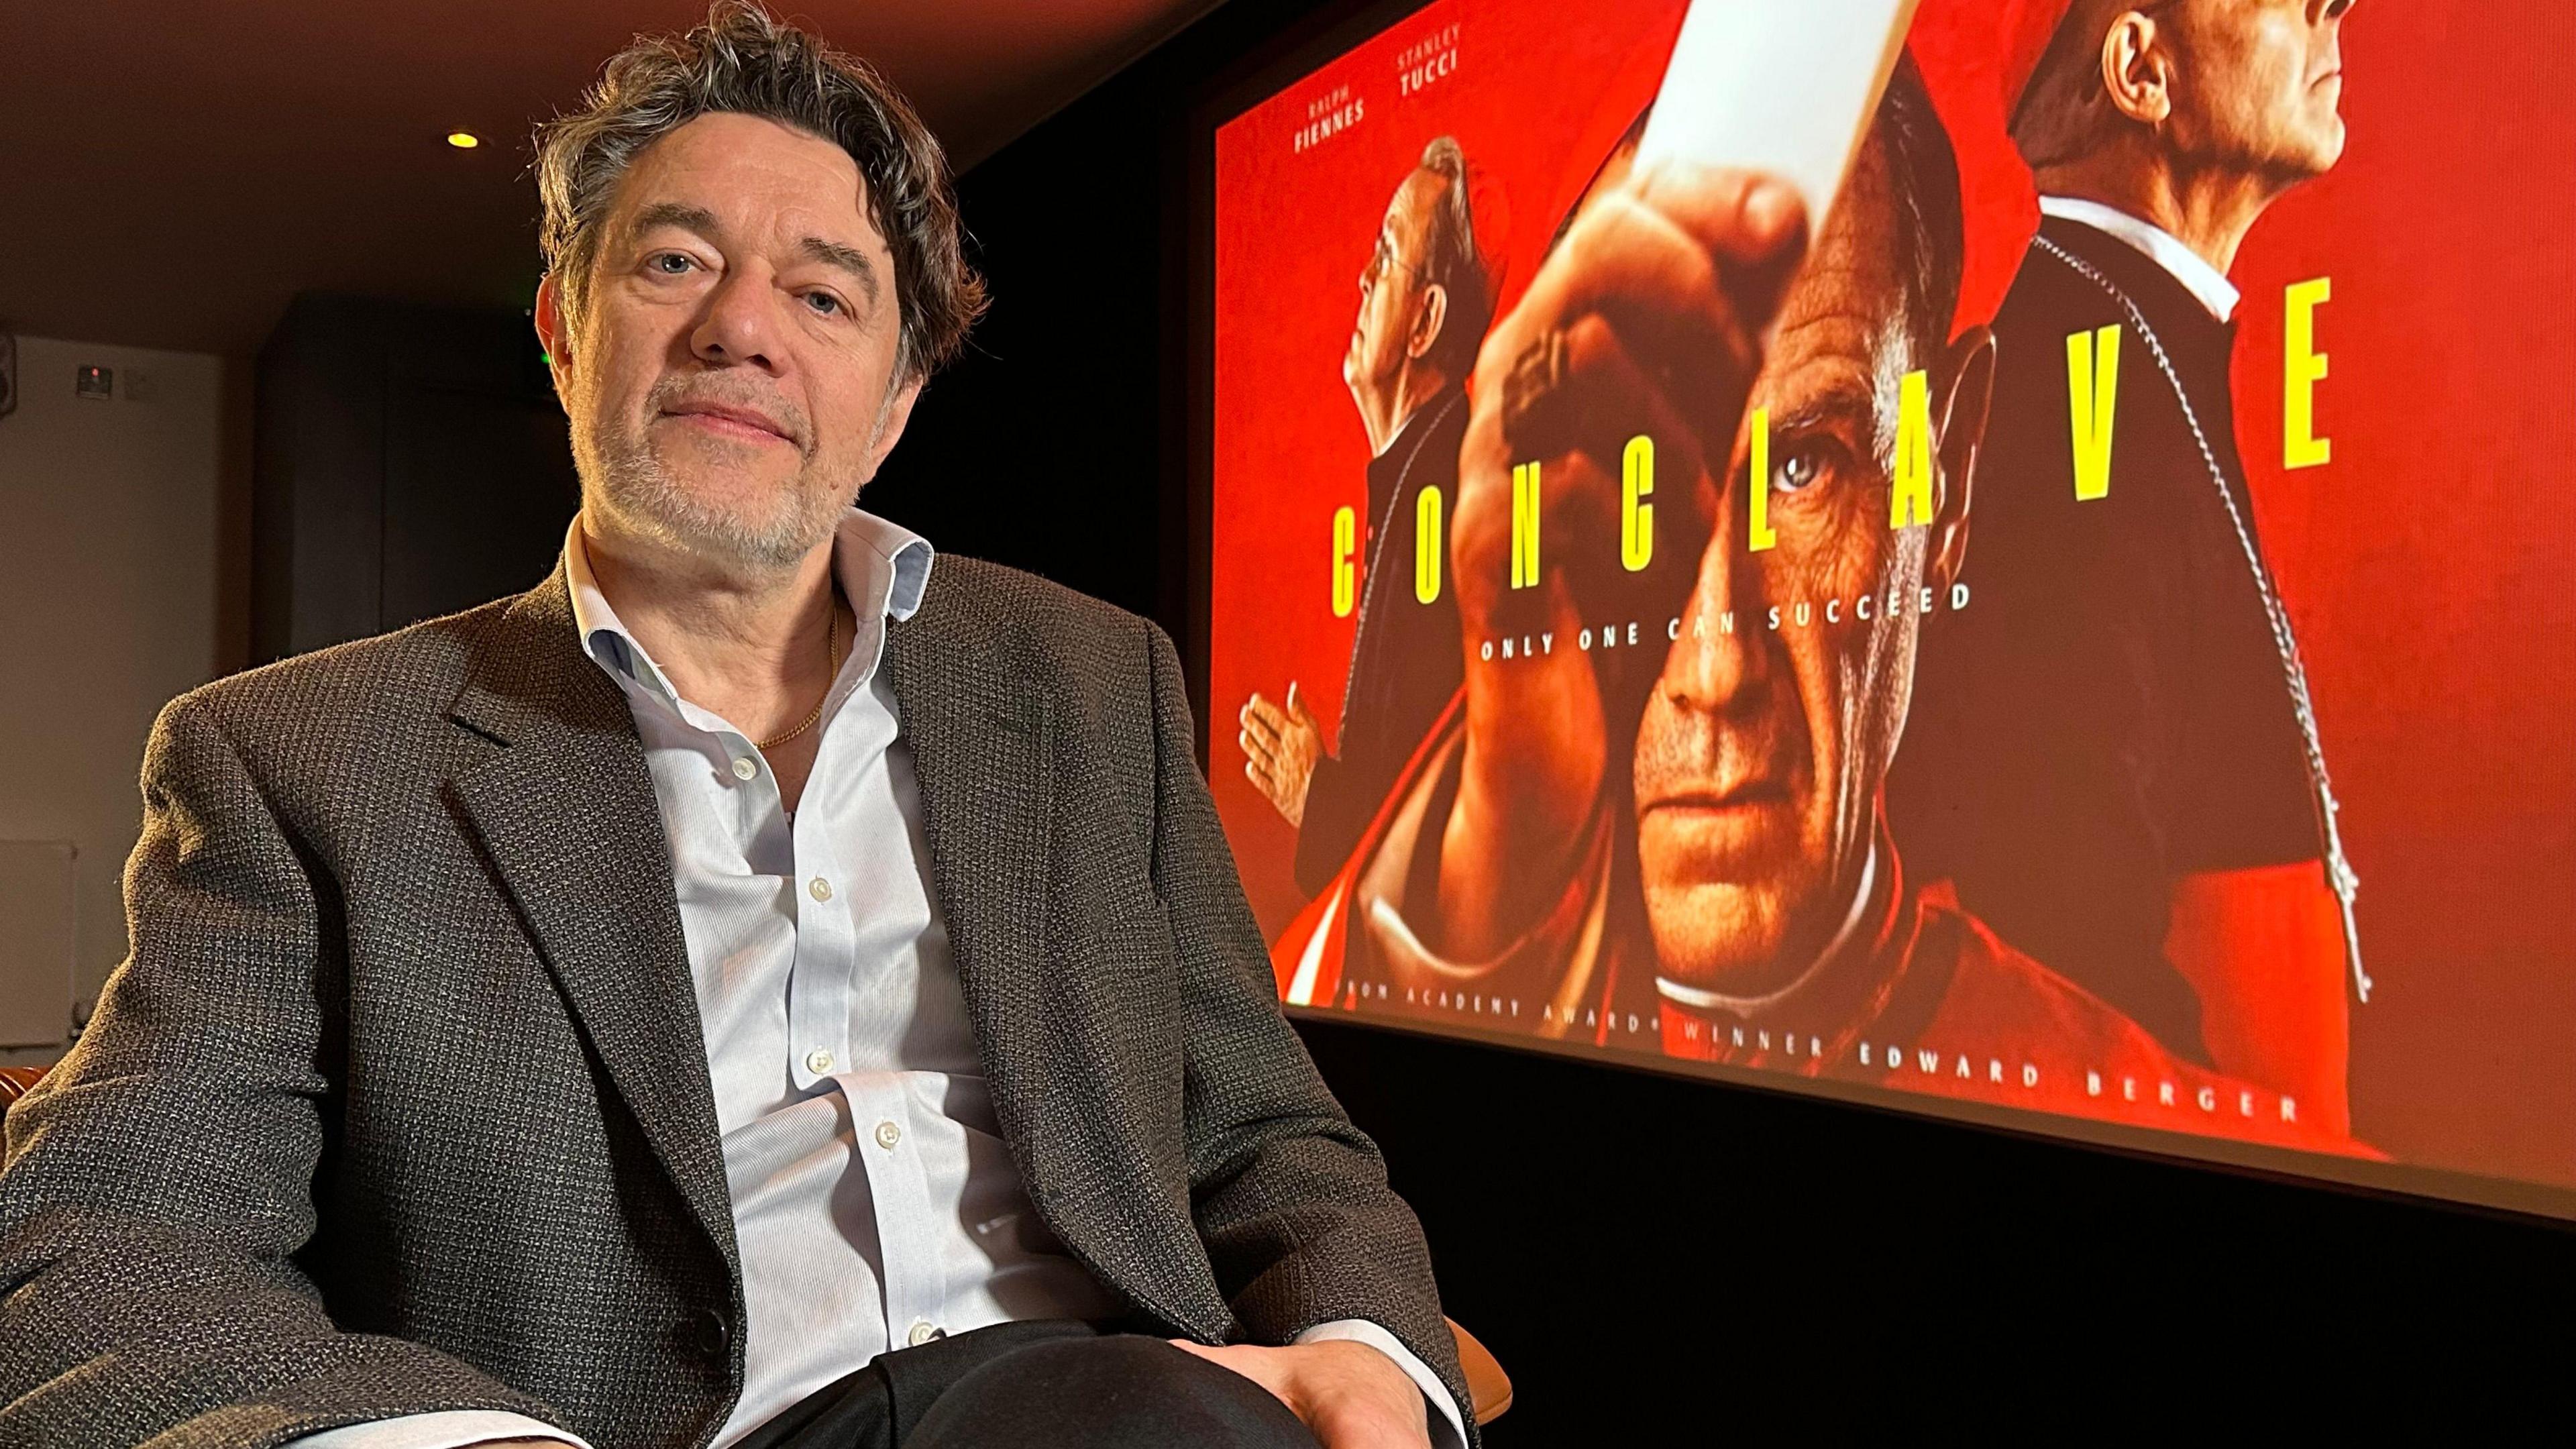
(1056, 1383)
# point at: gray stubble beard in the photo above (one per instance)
(623, 474)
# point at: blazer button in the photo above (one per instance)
(714, 1335)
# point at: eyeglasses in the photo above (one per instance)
(1381, 259)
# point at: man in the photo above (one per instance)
(757, 988)
(1690, 840)
(1424, 305)
(2117, 760)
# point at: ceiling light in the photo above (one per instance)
(463, 140)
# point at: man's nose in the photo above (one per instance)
(740, 324)
(2321, 11)
(1720, 651)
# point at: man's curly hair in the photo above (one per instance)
(745, 62)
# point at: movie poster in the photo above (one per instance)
(2003, 558)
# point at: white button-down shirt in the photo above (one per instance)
(875, 1204)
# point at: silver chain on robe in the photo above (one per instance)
(2339, 872)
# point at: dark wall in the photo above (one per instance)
(410, 462)
(1646, 1254)
(1060, 441)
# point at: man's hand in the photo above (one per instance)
(1349, 1395)
(1646, 320)
(1280, 747)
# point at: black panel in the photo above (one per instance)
(478, 493)
(317, 497)
(412, 461)
(1686, 1262)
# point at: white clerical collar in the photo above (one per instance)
(2162, 247)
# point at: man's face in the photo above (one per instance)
(2258, 83)
(731, 382)
(1760, 751)
(1392, 295)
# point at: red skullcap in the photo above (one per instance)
(1977, 56)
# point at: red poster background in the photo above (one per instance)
(2428, 569)
(2426, 566)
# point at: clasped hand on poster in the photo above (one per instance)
(1648, 319)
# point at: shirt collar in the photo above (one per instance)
(2198, 277)
(883, 568)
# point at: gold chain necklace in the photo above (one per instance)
(831, 646)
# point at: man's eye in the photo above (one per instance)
(1797, 469)
(669, 264)
(824, 303)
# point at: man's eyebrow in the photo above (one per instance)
(1820, 387)
(676, 214)
(846, 258)
(1840, 398)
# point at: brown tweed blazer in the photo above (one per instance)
(400, 1102)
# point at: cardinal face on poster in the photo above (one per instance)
(2195, 99)
(2261, 84)
(1389, 367)
(1758, 747)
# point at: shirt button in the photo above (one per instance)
(820, 889)
(888, 1135)
(818, 1060)
(923, 1333)
(744, 769)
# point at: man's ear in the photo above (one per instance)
(2137, 72)
(1967, 385)
(898, 411)
(552, 333)
(1427, 325)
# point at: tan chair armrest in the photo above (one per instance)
(1488, 1386)
(14, 1082)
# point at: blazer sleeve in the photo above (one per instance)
(159, 1183)
(1292, 1199)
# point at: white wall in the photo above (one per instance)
(112, 531)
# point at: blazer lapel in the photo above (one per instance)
(982, 741)
(567, 814)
